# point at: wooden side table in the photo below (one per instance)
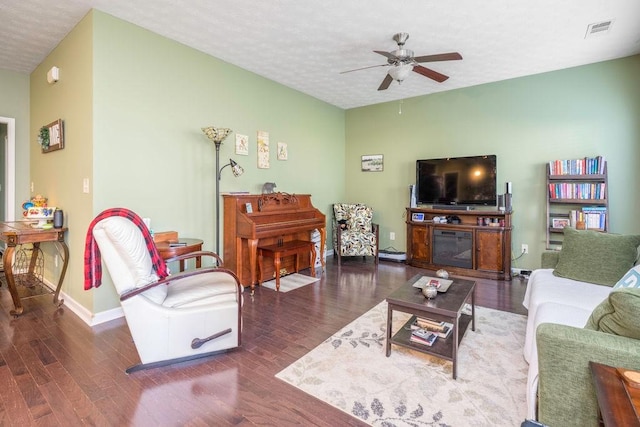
(619, 404)
(21, 232)
(173, 248)
(278, 251)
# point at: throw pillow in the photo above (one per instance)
(630, 280)
(618, 314)
(594, 257)
(360, 218)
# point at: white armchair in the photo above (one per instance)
(184, 316)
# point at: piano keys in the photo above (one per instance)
(265, 219)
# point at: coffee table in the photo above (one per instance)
(444, 307)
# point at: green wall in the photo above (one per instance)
(133, 104)
(584, 111)
(58, 175)
(14, 103)
(152, 96)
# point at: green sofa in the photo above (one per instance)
(566, 394)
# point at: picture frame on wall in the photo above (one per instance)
(52, 136)
(372, 163)
(263, 149)
(242, 144)
(283, 152)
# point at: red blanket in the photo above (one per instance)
(92, 260)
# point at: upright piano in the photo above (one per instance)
(265, 219)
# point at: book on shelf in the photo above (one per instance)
(594, 217)
(423, 336)
(442, 329)
(586, 166)
(582, 191)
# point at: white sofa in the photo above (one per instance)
(552, 299)
(560, 298)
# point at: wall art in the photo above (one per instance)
(372, 163)
(263, 149)
(242, 144)
(51, 136)
(283, 154)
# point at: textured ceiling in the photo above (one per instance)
(305, 44)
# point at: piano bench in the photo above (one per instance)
(278, 251)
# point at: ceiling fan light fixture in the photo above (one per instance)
(400, 72)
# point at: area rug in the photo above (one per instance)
(350, 372)
(291, 282)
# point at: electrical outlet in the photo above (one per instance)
(32, 186)
(525, 248)
(85, 185)
(392, 236)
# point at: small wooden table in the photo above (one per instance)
(181, 246)
(18, 233)
(619, 404)
(445, 306)
(280, 250)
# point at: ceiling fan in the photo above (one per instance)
(402, 62)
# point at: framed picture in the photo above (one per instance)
(242, 144)
(263, 149)
(52, 136)
(248, 207)
(372, 163)
(283, 153)
(560, 222)
(417, 216)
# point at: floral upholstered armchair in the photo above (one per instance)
(354, 233)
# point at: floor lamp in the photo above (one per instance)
(217, 135)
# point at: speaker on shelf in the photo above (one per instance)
(507, 202)
(58, 218)
(412, 196)
(509, 187)
(501, 202)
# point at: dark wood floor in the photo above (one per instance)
(56, 370)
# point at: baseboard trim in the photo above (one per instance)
(85, 315)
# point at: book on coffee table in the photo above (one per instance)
(423, 336)
(442, 329)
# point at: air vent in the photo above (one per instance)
(598, 28)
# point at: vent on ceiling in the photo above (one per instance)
(598, 28)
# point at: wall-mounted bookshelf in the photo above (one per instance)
(577, 196)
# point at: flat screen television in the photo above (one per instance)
(465, 181)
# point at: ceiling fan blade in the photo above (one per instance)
(452, 56)
(430, 73)
(388, 55)
(386, 82)
(364, 68)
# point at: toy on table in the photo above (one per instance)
(37, 209)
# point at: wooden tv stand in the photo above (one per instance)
(474, 247)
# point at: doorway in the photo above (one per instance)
(8, 169)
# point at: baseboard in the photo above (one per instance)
(85, 315)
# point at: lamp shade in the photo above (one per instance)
(236, 168)
(215, 134)
(400, 72)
